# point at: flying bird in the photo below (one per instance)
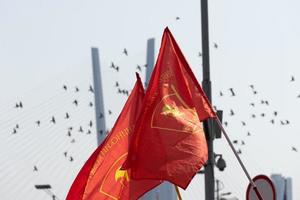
(221, 94)
(91, 124)
(231, 112)
(80, 129)
(69, 134)
(199, 54)
(125, 52)
(14, 131)
(216, 45)
(252, 104)
(75, 102)
(109, 112)
(294, 149)
(252, 87)
(71, 159)
(139, 68)
(35, 169)
(112, 65)
(232, 92)
(52, 120)
(292, 78)
(91, 104)
(65, 87)
(38, 122)
(76, 89)
(243, 123)
(248, 133)
(117, 84)
(67, 116)
(91, 89)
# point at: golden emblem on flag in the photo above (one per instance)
(175, 115)
(121, 175)
(115, 177)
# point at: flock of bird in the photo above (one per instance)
(273, 118)
(88, 130)
(71, 131)
(67, 115)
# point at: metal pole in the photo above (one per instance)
(218, 189)
(206, 85)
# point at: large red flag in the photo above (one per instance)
(101, 176)
(168, 141)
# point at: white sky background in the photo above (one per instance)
(45, 44)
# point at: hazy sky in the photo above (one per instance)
(45, 44)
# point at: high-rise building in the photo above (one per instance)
(283, 187)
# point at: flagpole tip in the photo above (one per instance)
(137, 75)
(167, 29)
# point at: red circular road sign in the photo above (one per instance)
(265, 187)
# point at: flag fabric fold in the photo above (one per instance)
(101, 177)
(168, 140)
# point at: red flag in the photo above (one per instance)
(101, 176)
(168, 141)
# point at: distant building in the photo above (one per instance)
(283, 187)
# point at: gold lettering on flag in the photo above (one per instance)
(110, 144)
